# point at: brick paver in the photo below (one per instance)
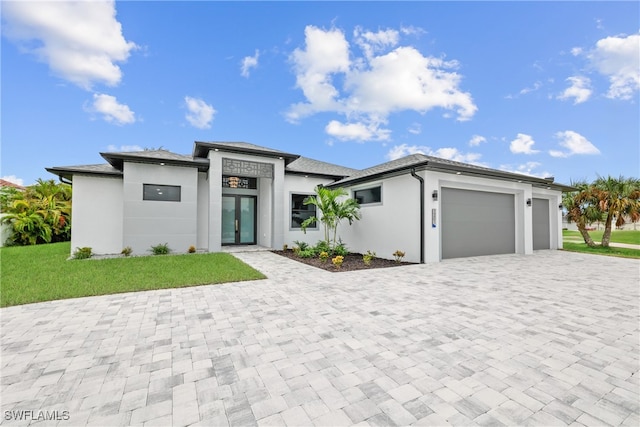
(551, 338)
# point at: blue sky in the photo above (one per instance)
(544, 88)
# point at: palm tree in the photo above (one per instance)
(617, 197)
(582, 208)
(334, 208)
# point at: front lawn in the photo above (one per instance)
(599, 250)
(43, 273)
(617, 236)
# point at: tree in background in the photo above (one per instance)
(617, 198)
(334, 208)
(603, 200)
(40, 214)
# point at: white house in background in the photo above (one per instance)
(235, 193)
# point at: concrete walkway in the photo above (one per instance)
(546, 339)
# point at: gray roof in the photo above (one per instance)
(154, 156)
(306, 165)
(68, 171)
(421, 161)
(201, 149)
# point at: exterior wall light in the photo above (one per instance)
(529, 202)
(434, 195)
(560, 206)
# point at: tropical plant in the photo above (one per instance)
(398, 255)
(126, 251)
(40, 214)
(82, 253)
(617, 198)
(340, 249)
(334, 208)
(337, 261)
(368, 257)
(160, 249)
(582, 208)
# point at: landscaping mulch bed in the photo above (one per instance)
(351, 262)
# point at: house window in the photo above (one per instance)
(164, 193)
(300, 212)
(368, 195)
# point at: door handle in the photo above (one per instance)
(236, 225)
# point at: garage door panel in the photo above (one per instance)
(541, 224)
(477, 223)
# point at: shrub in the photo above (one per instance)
(322, 246)
(368, 257)
(192, 249)
(285, 247)
(307, 253)
(398, 255)
(126, 251)
(324, 256)
(160, 249)
(301, 245)
(337, 261)
(82, 253)
(341, 249)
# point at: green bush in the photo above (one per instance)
(368, 257)
(307, 253)
(302, 246)
(160, 249)
(322, 246)
(341, 249)
(82, 253)
(127, 251)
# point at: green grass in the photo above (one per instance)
(43, 273)
(610, 251)
(617, 236)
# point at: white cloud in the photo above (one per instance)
(386, 79)
(249, 62)
(111, 110)
(576, 51)
(80, 41)
(415, 129)
(618, 58)
(537, 85)
(200, 113)
(448, 153)
(574, 143)
(579, 90)
(371, 42)
(477, 140)
(356, 131)
(123, 148)
(523, 144)
(14, 179)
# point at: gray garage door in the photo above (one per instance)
(541, 232)
(477, 223)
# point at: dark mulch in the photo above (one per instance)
(351, 262)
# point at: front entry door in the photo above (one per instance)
(238, 220)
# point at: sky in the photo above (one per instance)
(540, 88)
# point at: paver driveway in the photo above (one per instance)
(550, 338)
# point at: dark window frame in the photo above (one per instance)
(376, 201)
(152, 193)
(312, 209)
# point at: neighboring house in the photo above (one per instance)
(235, 193)
(5, 229)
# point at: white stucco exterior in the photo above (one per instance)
(97, 216)
(110, 211)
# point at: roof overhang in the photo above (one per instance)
(68, 172)
(201, 150)
(117, 160)
(546, 183)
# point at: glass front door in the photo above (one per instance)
(238, 220)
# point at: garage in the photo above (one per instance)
(477, 223)
(541, 224)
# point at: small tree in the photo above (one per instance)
(582, 208)
(335, 208)
(617, 197)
